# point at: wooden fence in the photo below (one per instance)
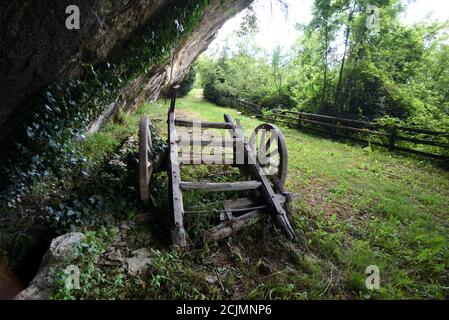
(419, 141)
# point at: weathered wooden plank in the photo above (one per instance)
(145, 163)
(220, 142)
(423, 141)
(202, 124)
(248, 202)
(198, 159)
(423, 131)
(230, 227)
(239, 155)
(422, 153)
(220, 186)
(226, 214)
(177, 206)
(331, 125)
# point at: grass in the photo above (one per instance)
(359, 207)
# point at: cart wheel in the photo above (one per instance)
(270, 150)
(145, 153)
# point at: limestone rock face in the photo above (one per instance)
(149, 86)
(37, 49)
(61, 248)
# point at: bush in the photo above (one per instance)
(188, 83)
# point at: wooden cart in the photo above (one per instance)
(254, 160)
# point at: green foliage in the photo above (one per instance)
(172, 277)
(398, 72)
(96, 282)
(100, 189)
(249, 24)
(187, 84)
(246, 76)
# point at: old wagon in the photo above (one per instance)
(262, 162)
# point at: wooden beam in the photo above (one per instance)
(423, 153)
(423, 131)
(366, 123)
(248, 202)
(230, 227)
(198, 159)
(174, 174)
(423, 141)
(312, 115)
(223, 186)
(220, 142)
(326, 124)
(202, 124)
(239, 156)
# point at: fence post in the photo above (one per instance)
(337, 130)
(300, 122)
(334, 129)
(173, 98)
(393, 134)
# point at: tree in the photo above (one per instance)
(277, 70)
(398, 71)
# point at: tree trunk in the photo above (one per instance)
(343, 60)
(326, 51)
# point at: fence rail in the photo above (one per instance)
(393, 137)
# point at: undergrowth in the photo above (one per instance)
(358, 208)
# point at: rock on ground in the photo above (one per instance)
(139, 263)
(61, 248)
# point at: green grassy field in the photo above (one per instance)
(359, 207)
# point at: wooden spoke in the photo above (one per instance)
(268, 145)
(262, 145)
(272, 153)
(275, 143)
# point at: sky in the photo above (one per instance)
(277, 29)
